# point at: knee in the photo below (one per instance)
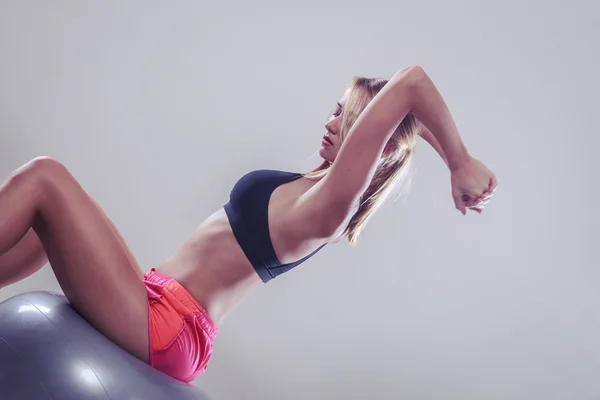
(45, 163)
(41, 169)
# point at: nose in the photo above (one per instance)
(333, 126)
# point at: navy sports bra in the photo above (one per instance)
(247, 211)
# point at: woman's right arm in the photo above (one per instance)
(329, 202)
(323, 209)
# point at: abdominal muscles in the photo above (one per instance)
(213, 268)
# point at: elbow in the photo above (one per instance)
(416, 70)
(410, 76)
(409, 83)
(418, 76)
(412, 83)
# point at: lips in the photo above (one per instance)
(326, 138)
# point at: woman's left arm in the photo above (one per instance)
(473, 184)
(426, 134)
(429, 138)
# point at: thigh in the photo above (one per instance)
(91, 262)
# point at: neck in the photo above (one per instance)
(314, 173)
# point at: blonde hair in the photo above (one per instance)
(393, 168)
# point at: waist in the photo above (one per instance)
(216, 287)
(213, 269)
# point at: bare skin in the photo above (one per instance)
(45, 215)
(97, 273)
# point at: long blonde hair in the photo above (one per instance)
(394, 167)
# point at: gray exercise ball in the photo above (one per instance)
(49, 352)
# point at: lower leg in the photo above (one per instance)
(23, 260)
(19, 199)
(28, 256)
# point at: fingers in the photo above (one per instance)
(471, 202)
(483, 199)
(490, 190)
(476, 202)
(481, 203)
(487, 194)
(459, 203)
(476, 205)
(493, 183)
(464, 202)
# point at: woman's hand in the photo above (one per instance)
(473, 185)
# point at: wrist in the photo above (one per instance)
(457, 158)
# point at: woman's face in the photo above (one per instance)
(331, 141)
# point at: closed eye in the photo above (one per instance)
(338, 111)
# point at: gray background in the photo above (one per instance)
(159, 107)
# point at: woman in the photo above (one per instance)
(274, 220)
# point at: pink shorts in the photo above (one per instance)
(180, 331)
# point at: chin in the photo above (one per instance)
(326, 154)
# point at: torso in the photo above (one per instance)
(212, 266)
